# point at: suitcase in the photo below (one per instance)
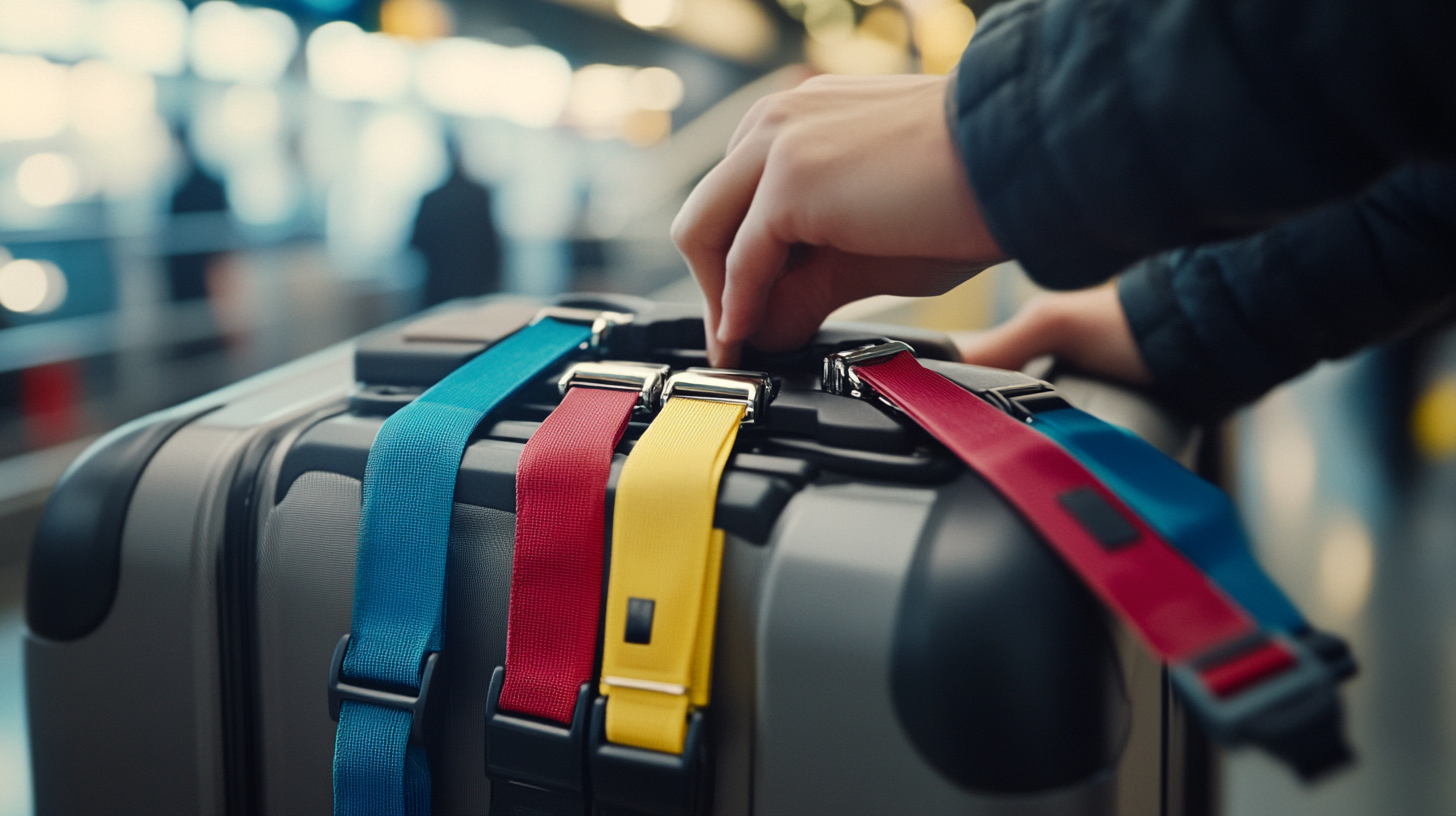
(891, 637)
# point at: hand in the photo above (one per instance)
(842, 188)
(1086, 329)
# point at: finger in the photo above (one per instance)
(1014, 343)
(754, 264)
(705, 226)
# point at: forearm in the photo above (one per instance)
(1096, 132)
(1218, 326)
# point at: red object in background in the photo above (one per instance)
(50, 397)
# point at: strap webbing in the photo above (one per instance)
(399, 582)
(1159, 594)
(556, 577)
(662, 594)
(1193, 515)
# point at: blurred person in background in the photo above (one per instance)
(1295, 157)
(455, 234)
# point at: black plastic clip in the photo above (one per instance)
(343, 688)
(629, 781)
(1293, 713)
(535, 765)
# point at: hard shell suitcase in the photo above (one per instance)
(892, 637)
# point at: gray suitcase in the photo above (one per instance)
(892, 638)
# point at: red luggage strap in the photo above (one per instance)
(1229, 670)
(556, 575)
(556, 582)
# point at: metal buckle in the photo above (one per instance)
(343, 688)
(839, 375)
(1269, 706)
(753, 389)
(644, 378)
(601, 322)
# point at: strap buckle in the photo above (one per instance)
(628, 780)
(343, 688)
(602, 322)
(1024, 401)
(644, 378)
(839, 376)
(753, 389)
(535, 764)
(1269, 690)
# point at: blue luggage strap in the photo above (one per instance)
(1198, 518)
(379, 681)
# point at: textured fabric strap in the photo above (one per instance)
(662, 595)
(1193, 515)
(399, 581)
(556, 577)
(1158, 593)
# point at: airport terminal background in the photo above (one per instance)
(193, 193)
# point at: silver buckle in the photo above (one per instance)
(839, 374)
(752, 389)
(601, 322)
(644, 378)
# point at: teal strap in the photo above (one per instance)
(1196, 517)
(399, 583)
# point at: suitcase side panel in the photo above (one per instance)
(136, 702)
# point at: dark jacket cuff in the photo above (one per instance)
(1027, 205)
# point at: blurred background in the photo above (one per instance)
(191, 193)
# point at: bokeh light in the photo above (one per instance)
(32, 98)
(47, 179)
(231, 43)
(657, 89)
(149, 35)
(346, 63)
(110, 102)
(942, 32)
(650, 13)
(58, 28)
(528, 85)
(31, 287)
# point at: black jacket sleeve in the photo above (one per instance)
(1221, 324)
(1097, 132)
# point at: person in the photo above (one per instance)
(1276, 180)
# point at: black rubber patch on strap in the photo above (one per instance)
(639, 620)
(1099, 518)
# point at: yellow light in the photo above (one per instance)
(1433, 422)
(829, 19)
(886, 23)
(31, 287)
(856, 54)
(47, 179)
(650, 13)
(657, 89)
(416, 19)
(1346, 566)
(942, 33)
(646, 127)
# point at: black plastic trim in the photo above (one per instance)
(237, 619)
(75, 562)
(1004, 674)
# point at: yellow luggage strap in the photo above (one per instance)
(662, 594)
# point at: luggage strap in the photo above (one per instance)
(535, 761)
(1246, 684)
(662, 593)
(380, 678)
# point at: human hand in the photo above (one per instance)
(842, 188)
(1087, 329)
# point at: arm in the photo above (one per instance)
(1215, 327)
(1096, 132)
